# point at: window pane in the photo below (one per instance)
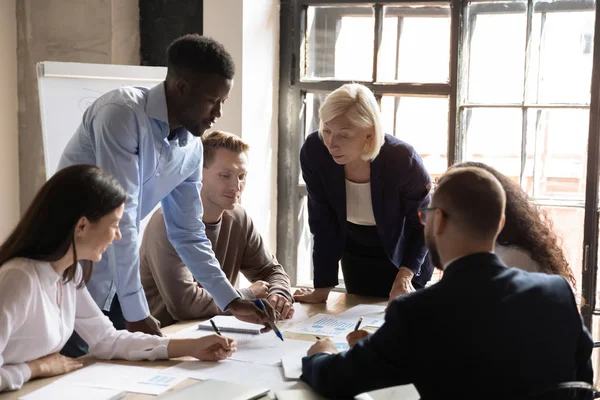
(493, 136)
(568, 225)
(561, 56)
(423, 123)
(556, 153)
(305, 243)
(415, 45)
(496, 54)
(312, 103)
(339, 43)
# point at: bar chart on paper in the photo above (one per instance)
(324, 325)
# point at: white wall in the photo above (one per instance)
(249, 29)
(9, 150)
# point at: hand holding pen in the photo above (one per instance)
(272, 322)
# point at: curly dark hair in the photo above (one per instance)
(194, 54)
(528, 227)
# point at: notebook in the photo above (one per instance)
(213, 389)
(231, 324)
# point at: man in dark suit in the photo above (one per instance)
(484, 331)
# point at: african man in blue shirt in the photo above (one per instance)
(149, 140)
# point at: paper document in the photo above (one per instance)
(234, 371)
(268, 349)
(292, 367)
(122, 377)
(300, 315)
(229, 324)
(402, 392)
(69, 392)
(298, 394)
(329, 325)
(373, 315)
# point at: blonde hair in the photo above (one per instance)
(359, 105)
(221, 140)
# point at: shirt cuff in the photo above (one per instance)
(247, 294)
(223, 294)
(134, 306)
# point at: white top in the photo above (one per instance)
(33, 325)
(517, 257)
(359, 209)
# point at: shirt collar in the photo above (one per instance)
(156, 108)
(47, 274)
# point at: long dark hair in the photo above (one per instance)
(47, 229)
(527, 226)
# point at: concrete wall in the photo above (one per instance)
(100, 31)
(249, 29)
(9, 163)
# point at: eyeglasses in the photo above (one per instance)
(423, 212)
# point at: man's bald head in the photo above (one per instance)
(473, 201)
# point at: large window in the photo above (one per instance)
(506, 83)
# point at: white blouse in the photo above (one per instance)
(33, 324)
(359, 208)
(516, 257)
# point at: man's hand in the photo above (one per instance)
(322, 346)
(246, 310)
(260, 289)
(282, 305)
(353, 337)
(52, 365)
(402, 284)
(305, 295)
(150, 325)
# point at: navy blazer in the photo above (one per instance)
(400, 185)
(484, 331)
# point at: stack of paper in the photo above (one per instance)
(233, 371)
(65, 391)
(122, 378)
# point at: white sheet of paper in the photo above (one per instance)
(402, 392)
(300, 314)
(233, 371)
(292, 367)
(64, 391)
(329, 325)
(373, 315)
(298, 394)
(122, 377)
(268, 349)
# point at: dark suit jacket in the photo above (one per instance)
(399, 187)
(484, 331)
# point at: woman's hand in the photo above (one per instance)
(52, 365)
(207, 348)
(354, 337)
(402, 284)
(305, 295)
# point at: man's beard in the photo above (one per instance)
(434, 256)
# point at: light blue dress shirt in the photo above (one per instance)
(125, 133)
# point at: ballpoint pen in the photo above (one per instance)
(358, 324)
(272, 324)
(217, 331)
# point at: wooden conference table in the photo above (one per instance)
(337, 303)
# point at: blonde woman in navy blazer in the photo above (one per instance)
(365, 188)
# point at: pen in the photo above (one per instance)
(272, 324)
(358, 323)
(217, 331)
